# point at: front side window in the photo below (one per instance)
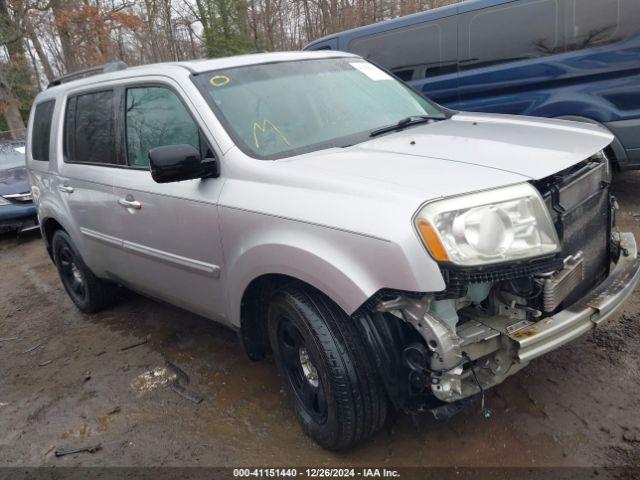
(413, 52)
(41, 131)
(90, 128)
(156, 117)
(281, 109)
(520, 30)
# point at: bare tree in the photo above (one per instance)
(45, 38)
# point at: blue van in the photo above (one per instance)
(571, 59)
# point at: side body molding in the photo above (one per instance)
(160, 255)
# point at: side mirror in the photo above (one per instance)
(174, 163)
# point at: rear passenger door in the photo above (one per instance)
(85, 180)
(170, 231)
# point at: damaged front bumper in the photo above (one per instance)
(483, 350)
(592, 310)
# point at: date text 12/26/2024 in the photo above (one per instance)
(315, 473)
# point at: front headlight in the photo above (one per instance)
(493, 226)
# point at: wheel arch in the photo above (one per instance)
(254, 308)
(53, 215)
(251, 292)
(49, 226)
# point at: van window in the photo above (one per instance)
(600, 22)
(41, 131)
(156, 117)
(506, 33)
(413, 52)
(90, 130)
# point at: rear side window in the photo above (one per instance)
(413, 52)
(41, 132)
(599, 22)
(506, 33)
(90, 129)
(155, 118)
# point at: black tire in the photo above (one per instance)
(88, 292)
(346, 404)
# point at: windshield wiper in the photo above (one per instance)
(406, 122)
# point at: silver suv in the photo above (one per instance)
(390, 253)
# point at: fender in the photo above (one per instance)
(49, 207)
(347, 267)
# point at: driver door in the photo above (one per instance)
(170, 231)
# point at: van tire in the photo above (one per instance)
(355, 405)
(89, 293)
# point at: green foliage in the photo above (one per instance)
(224, 24)
(15, 74)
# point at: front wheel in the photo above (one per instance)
(328, 376)
(88, 292)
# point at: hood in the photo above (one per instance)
(14, 180)
(466, 153)
(531, 147)
(374, 187)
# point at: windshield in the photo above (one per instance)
(281, 109)
(11, 155)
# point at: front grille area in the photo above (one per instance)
(458, 279)
(580, 205)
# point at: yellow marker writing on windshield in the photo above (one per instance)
(263, 129)
(219, 80)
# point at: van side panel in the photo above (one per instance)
(549, 58)
(558, 88)
(587, 65)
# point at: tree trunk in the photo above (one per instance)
(10, 109)
(59, 9)
(15, 79)
(37, 45)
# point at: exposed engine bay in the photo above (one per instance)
(490, 322)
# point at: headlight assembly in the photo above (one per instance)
(483, 228)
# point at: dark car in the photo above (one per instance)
(17, 211)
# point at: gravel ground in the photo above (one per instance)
(74, 380)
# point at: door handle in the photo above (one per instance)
(65, 189)
(123, 202)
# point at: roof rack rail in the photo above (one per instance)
(113, 66)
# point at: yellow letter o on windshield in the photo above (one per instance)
(219, 80)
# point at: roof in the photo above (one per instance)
(205, 65)
(195, 66)
(418, 17)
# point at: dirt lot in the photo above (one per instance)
(69, 380)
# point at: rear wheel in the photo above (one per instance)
(329, 378)
(88, 292)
